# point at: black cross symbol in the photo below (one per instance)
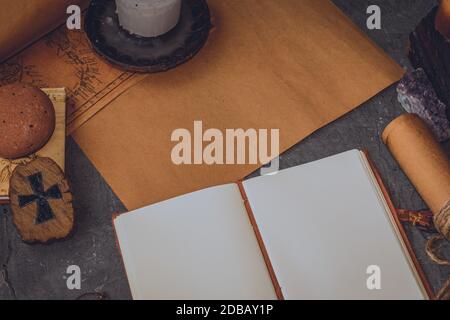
(40, 196)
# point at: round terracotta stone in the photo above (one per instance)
(27, 120)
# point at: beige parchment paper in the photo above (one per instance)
(293, 65)
(24, 21)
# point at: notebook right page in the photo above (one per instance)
(324, 229)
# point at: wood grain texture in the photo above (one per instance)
(41, 202)
(54, 149)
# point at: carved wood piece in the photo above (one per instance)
(41, 202)
(431, 51)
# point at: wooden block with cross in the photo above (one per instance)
(41, 202)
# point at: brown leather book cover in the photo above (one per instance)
(262, 246)
(394, 213)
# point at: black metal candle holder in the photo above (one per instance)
(141, 54)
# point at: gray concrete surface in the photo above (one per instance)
(38, 272)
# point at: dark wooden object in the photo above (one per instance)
(41, 202)
(431, 51)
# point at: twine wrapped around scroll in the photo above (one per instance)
(442, 221)
(442, 224)
(444, 293)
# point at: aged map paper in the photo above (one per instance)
(65, 59)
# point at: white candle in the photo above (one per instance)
(148, 18)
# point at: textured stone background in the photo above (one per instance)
(38, 272)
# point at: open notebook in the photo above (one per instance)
(308, 232)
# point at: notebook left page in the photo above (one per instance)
(197, 246)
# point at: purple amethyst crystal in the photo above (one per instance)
(417, 95)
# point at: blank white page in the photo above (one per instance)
(197, 246)
(323, 225)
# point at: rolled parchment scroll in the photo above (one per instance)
(25, 21)
(442, 22)
(425, 163)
